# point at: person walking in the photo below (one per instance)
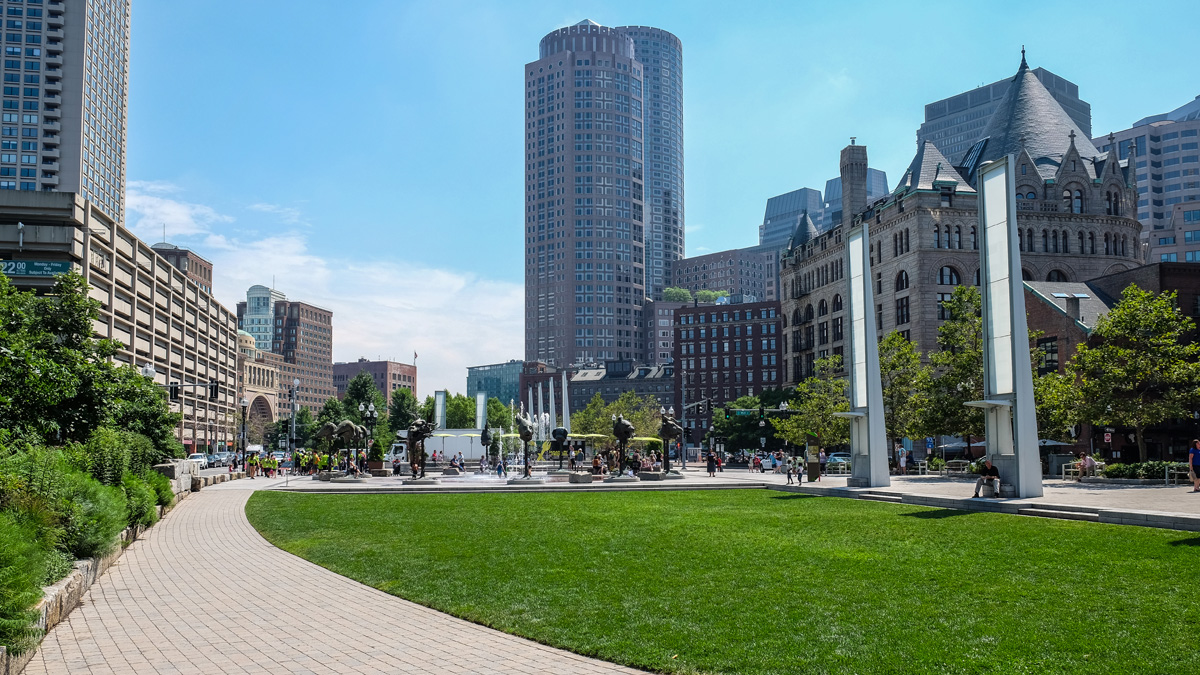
(1194, 465)
(710, 464)
(901, 462)
(791, 466)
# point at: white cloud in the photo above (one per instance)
(287, 214)
(382, 308)
(149, 210)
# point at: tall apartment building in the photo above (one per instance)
(585, 220)
(1168, 179)
(661, 56)
(66, 77)
(954, 124)
(660, 331)
(257, 316)
(724, 352)
(303, 335)
(158, 314)
(499, 380)
(388, 375)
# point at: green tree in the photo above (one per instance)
(361, 390)
(815, 401)
(404, 409)
(334, 411)
(428, 408)
(710, 296)
(741, 432)
(958, 371)
(460, 411)
(905, 383)
(592, 419)
(1140, 371)
(675, 294)
(499, 415)
(1058, 405)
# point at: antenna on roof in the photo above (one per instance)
(1023, 63)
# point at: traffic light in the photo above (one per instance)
(174, 389)
(726, 412)
(700, 407)
(213, 391)
(762, 412)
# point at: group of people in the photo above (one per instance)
(256, 464)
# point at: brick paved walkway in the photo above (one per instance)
(169, 606)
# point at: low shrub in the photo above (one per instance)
(106, 456)
(141, 500)
(162, 487)
(59, 564)
(936, 463)
(142, 453)
(22, 569)
(98, 514)
(1151, 470)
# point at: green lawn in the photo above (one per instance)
(755, 581)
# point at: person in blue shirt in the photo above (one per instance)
(1194, 464)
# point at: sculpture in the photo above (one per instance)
(525, 431)
(669, 432)
(623, 430)
(417, 433)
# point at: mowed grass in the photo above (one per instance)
(755, 581)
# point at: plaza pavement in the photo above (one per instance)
(202, 592)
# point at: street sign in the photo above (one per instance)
(1108, 438)
(34, 268)
(928, 442)
(745, 412)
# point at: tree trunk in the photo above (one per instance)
(1141, 443)
(970, 449)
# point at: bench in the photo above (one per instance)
(956, 466)
(1178, 474)
(917, 468)
(1072, 469)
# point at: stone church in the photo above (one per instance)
(1077, 211)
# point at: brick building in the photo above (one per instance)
(741, 271)
(614, 378)
(723, 352)
(388, 375)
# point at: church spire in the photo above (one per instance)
(1024, 65)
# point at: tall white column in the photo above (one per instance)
(566, 405)
(868, 439)
(1009, 414)
(553, 411)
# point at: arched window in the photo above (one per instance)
(1067, 201)
(948, 276)
(1124, 241)
(1108, 203)
(937, 237)
(1054, 238)
(1056, 275)
(1107, 245)
(837, 303)
(902, 280)
(1045, 241)
(974, 239)
(1116, 203)
(822, 308)
(957, 237)
(1092, 243)
(1081, 247)
(1020, 239)
(808, 313)
(1077, 202)
(1020, 195)
(1066, 241)
(796, 317)
(977, 277)
(1026, 275)
(1029, 239)
(1031, 195)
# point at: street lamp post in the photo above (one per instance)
(245, 409)
(666, 465)
(292, 435)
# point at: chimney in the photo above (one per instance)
(854, 181)
(1073, 308)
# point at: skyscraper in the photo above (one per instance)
(784, 212)
(585, 226)
(66, 76)
(299, 332)
(661, 56)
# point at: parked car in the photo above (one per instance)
(200, 458)
(212, 459)
(839, 457)
(223, 458)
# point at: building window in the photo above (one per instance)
(837, 303)
(902, 280)
(943, 305)
(948, 276)
(901, 311)
(1049, 349)
(1056, 275)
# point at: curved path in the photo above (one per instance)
(202, 592)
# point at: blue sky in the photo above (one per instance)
(371, 160)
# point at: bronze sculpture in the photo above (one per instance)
(669, 432)
(525, 431)
(623, 430)
(417, 433)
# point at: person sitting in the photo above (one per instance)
(988, 474)
(1087, 466)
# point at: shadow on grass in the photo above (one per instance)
(1194, 541)
(794, 496)
(935, 514)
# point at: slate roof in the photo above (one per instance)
(805, 231)
(928, 166)
(1091, 308)
(1029, 118)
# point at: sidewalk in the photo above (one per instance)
(202, 592)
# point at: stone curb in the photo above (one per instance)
(60, 598)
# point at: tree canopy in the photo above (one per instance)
(814, 402)
(674, 294)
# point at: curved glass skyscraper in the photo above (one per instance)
(601, 226)
(661, 56)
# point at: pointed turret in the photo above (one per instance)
(928, 167)
(805, 232)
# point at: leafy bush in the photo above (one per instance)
(141, 500)
(936, 463)
(22, 568)
(30, 490)
(653, 446)
(1151, 470)
(142, 453)
(106, 456)
(98, 514)
(162, 487)
(59, 564)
